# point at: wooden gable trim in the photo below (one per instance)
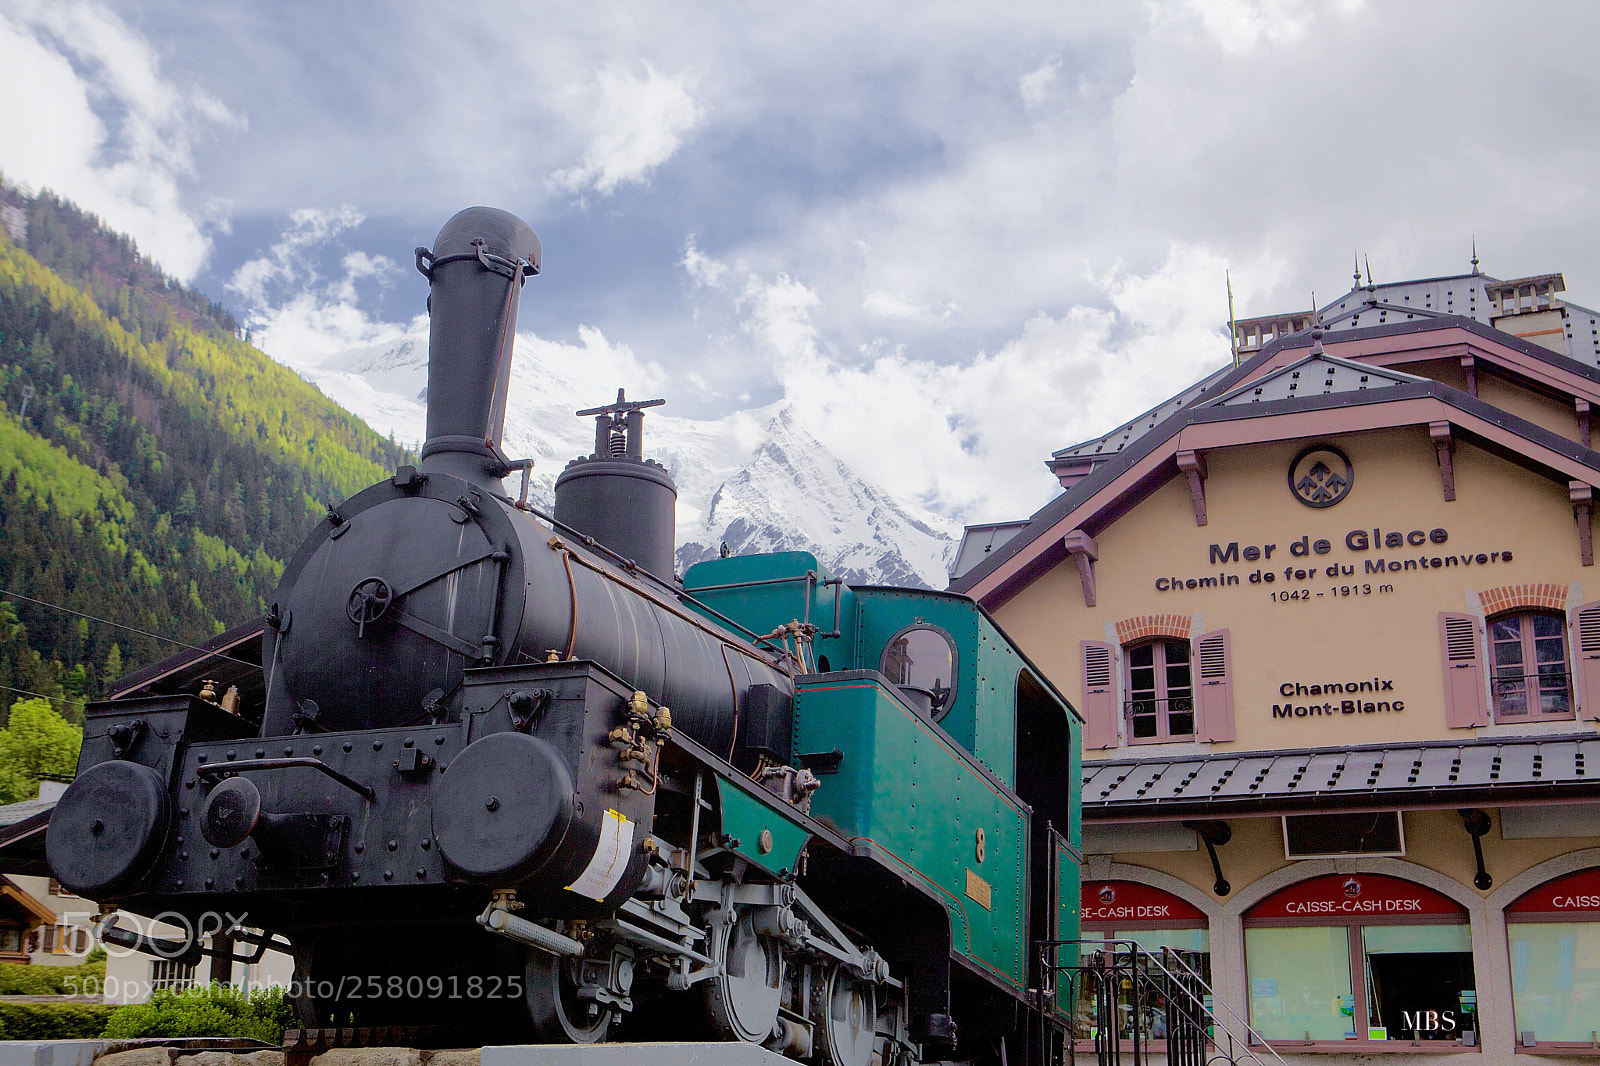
(10, 890)
(1445, 442)
(1193, 465)
(1082, 547)
(1582, 513)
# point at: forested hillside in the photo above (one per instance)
(155, 470)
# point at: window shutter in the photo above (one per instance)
(1215, 720)
(1586, 660)
(1462, 649)
(1099, 696)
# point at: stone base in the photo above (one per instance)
(658, 1054)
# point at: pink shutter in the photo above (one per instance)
(1586, 660)
(1215, 721)
(1099, 696)
(1461, 647)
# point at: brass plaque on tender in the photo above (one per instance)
(978, 890)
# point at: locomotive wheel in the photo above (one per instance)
(847, 1020)
(559, 1016)
(743, 1000)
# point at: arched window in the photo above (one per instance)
(1160, 692)
(1530, 680)
(1121, 911)
(921, 661)
(1553, 934)
(1357, 960)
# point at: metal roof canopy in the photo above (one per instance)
(1426, 774)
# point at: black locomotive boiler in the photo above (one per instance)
(505, 769)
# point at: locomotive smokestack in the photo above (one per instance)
(475, 273)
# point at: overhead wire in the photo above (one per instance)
(132, 629)
(42, 696)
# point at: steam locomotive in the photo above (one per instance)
(500, 768)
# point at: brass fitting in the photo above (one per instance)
(639, 707)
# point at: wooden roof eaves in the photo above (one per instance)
(14, 892)
(219, 650)
(1121, 489)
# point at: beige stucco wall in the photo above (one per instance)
(1542, 411)
(1390, 632)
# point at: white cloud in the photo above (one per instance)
(287, 263)
(639, 120)
(297, 316)
(1037, 85)
(969, 438)
(99, 121)
(701, 268)
(888, 305)
(1244, 25)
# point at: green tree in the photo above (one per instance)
(36, 741)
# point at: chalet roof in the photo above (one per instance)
(32, 910)
(1318, 374)
(1427, 774)
(1144, 463)
(12, 813)
(1111, 443)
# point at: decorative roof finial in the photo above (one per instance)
(1357, 257)
(1368, 261)
(1475, 269)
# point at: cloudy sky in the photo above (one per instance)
(954, 237)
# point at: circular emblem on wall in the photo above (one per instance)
(1321, 476)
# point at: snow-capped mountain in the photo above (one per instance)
(756, 480)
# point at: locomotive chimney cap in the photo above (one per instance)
(498, 233)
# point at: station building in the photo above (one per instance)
(1333, 620)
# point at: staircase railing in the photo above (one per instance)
(1134, 997)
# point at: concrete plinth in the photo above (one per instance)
(661, 1054)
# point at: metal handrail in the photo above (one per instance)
(1254, 1038)
(1563, 677)
(1184, 1007)
(1153, 704)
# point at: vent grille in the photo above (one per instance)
(1589, 631)
(1213, 657)
(1097, 667)
(1460, 644)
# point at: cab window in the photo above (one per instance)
(921, 661)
